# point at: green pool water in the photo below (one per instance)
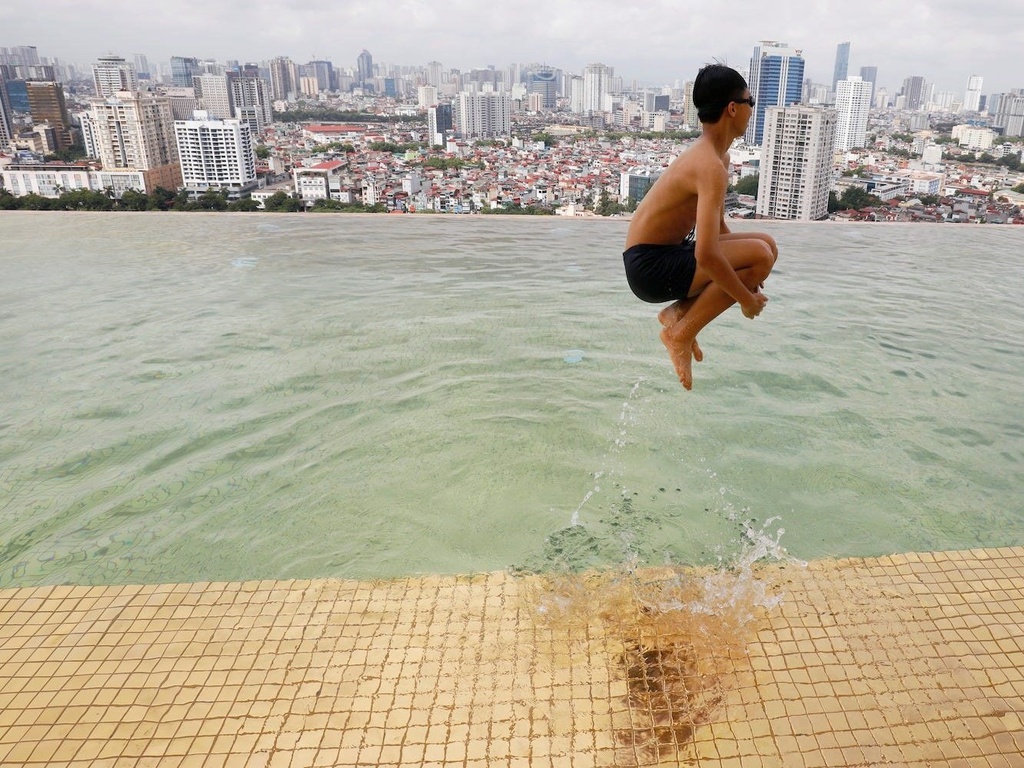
(218, 397)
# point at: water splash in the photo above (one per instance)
(627, 417)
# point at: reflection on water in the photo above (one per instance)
(222, 397)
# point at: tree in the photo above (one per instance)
(262, 151)
(160, 199)
(245, 204)
(83, 200)
(212, 200)
(857, 198)
(132, 200)
(34, 202)
(833, 203)
(282, 202)
(748, 185)
(8, 202)
(1019, 189)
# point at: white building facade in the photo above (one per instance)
(112, 74)
(216, 154)
(796, 163)
(597, 85)
(483, 115)
(853, 100)
(972, 96)
(53, 180)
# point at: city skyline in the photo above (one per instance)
(944, 42)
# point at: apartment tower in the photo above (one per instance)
(484, 115)
(796, 163)
(136, 130)
(112, 74)
(853, 100)
(215, 154)
(972, 96)
(776, 80)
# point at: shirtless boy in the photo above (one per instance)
(706, 274)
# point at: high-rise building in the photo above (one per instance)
(597, 88)
(972, 96)
(136, 130)
(364, 69)
(913, 92)
(853, 100)
(183, 69)
(323, 71)
(545, 82)
(112, 74)
(776, 80)
(439, 124)
(26, 55)
(484, 115)
(142, 69)
(6, 123)
(47, 104)
(434, 73)
(796, 163)
(284, 79)
(870, 75)
(426, 96)
(215, 154)
(250, 99)
(842, 67)
(1007, 111)
(214, 94)
(690, 107)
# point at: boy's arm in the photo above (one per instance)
(711, 188)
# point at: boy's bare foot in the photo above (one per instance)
(671, 315)
(681, 355)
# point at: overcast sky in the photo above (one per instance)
(945, 41)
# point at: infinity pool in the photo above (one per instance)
(220, 397)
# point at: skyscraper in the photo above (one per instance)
(972, 97)
(796, 163)
(545, 82)
(284, 79)
(6, 125)
(913, 92)
(323, 71)
(111, 74)
(484, 114)
(596, 87)
(26, 55)
(364, 68)
(142, 66)
(870, 75)
(842, 64)
(214, 94)
(853, 100)
(250, 100)
(776, 80)
(47, 105)
(434, 73)
(135, 130)
(439, 124)
(183, 69)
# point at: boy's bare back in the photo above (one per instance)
(668, 212)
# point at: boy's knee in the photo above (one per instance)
(766, 258)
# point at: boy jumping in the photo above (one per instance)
(678, 246)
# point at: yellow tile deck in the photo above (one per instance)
(914, 660)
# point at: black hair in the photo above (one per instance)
(715, 86)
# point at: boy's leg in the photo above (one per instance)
(753, 259)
